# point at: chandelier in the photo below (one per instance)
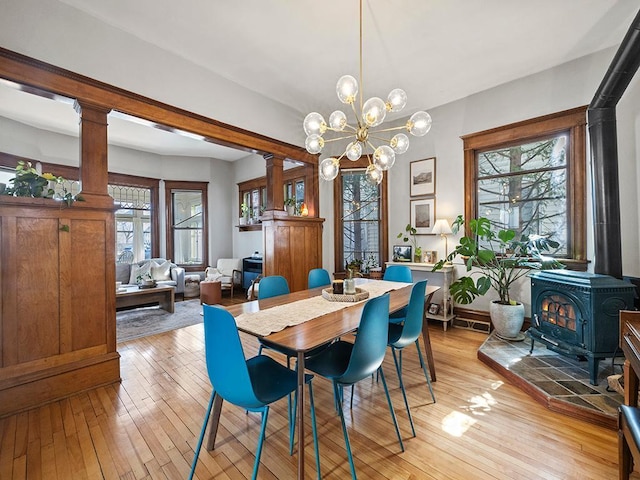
(361, 138)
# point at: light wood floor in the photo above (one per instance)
(147, 426)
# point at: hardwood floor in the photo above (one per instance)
(147, 426)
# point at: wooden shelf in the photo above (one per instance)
(250, 228)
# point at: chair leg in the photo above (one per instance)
(404, 393)
(393, 414)
(314, 429)
(336, 393)
(424, 369)
(204, 428)
(263, 428)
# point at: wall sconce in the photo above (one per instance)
(442, 228)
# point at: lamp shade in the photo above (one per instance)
(441, 227)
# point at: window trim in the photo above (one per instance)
(574, 122)
(183, 185)
(362, 163)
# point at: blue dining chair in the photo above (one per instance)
(398, 273)
(272, 286)
(345, 363)
(318, 277)
(408, 332)
(252, 384)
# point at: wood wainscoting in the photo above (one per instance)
(57, 301)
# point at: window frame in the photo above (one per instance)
(338, 240)
(574, 122)
(202, 187)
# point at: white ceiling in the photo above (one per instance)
(293, 52)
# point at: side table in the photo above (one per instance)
(210, 292)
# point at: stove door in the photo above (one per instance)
(559, 316)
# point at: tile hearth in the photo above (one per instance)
(559, 382)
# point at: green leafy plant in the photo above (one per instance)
(497, 258)
(244, 209)
(29, 183)
(353, 267)
(409, 235)
(290, 202)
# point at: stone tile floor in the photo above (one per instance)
(563, 378)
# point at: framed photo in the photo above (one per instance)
(402, 253)
(430, 256)
(434, 309)
(423, 215)
(422, 177)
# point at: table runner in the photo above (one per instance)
(274, 319)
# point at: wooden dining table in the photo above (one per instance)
(316, 332)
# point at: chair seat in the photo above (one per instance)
(631, 416)
(333, 361)
(262, 371)
(395, 336)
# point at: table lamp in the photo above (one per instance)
(442, 228)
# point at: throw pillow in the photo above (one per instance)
(161, 272)
(142, 270)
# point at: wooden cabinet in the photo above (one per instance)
(57, 301)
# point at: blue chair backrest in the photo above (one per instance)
(319, 277)
(398, 273)
(412, 327)
(371, 341)
(272, 286)
(226, 364)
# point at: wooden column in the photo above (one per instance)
(275, 190)
(94, 168)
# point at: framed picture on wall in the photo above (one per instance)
(423, 214)
(422, 177)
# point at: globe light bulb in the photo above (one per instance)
(354, 151)
(314, 123)
(329, 168)
(399, 143)
(419, 124)
(314, 143)
(338, 120)
(347, 89)
(373, 174)
(396, 100)
(373, 112)
(384, 157)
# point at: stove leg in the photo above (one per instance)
(593, 370)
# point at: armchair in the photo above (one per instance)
(228, 271)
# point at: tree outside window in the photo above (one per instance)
(531, 177)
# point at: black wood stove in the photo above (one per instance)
(576, 313)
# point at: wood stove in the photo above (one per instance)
(576, 313)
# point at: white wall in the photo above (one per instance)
(567, 86)
(246, 243)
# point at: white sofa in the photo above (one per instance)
(163, 271)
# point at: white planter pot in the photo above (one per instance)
(507, 320)
(242, 221)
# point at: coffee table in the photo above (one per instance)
(133, 296)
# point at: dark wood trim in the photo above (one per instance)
(572, 121)
(195, 186)
(339, 264)
(35, 74)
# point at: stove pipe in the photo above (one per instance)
(601, 117)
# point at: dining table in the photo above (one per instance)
(313, 322)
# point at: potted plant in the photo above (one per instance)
(28, 182)
(498, 259)
(244, 210)
(290, 205)
(409, 235)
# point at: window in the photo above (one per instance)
(187, 224)
(530, 177)
(133, 221)
(360, 219)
